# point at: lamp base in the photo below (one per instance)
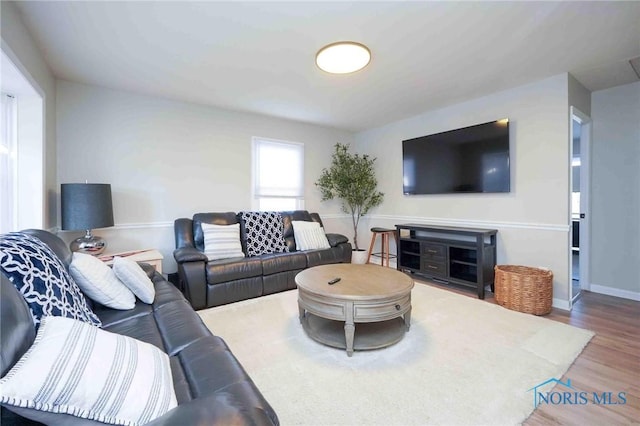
(89, 244)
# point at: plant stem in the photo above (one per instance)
(354, 221)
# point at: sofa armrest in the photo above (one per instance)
(148, 269)
(192, 275)
(336, 239)
(193, 279)
(189, 254)
(215, 410)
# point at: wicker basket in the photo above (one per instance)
(524, 289)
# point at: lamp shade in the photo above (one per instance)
(86, 206)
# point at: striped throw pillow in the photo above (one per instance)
(134, 277)
(309, 235)
(100, 283)
(78, 369)
(222, 241)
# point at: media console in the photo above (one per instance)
(448, 254)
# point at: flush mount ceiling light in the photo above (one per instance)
(343, 57)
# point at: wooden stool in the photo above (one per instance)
(384, 246)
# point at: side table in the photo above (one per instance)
(150, 256)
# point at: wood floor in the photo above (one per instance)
(609, 363)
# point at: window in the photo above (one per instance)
(278, 175)
(8, 164)
(22, 142)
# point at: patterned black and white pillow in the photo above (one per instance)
(264, 233)
(41, 278)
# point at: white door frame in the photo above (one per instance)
(585, 195)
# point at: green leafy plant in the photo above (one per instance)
(352, 179)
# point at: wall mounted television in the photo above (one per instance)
(473, 159)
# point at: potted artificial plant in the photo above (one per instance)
(351, 178)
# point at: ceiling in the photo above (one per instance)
(259, 56)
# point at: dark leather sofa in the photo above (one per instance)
(210, 384)
(218, 282)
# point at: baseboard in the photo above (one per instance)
(617, 292)
(561, 304)
(556, 303)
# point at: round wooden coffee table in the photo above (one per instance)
(377, 298)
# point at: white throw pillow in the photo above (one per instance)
(309, 235)
(99, 282)
(222, 241)
(78, 369)
(135, 278)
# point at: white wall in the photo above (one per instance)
(579, 96)
(166, 159)
(533, 219)
(18, 45)
(615, 191)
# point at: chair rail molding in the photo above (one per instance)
(470, 222)
(397, 218)
(119, 226)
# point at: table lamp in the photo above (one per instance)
(86, 206)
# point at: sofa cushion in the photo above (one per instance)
(78, 369)
(222, 241)
(197, 360)
(165, 291)
(282, 262)
(230, 395)
(234, 291)
(263, 233)
(41, 277)
(219, 271)
(100, 283)
(179, 326)
(151, 323)
(323, 257)
(280, 281)
(111, 317)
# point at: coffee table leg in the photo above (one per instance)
(407, 319)
(349, 328)
(349, 331)
(301, 312)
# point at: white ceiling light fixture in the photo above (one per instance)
(343, 57)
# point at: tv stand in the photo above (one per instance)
(448, 254)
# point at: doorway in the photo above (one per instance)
(580, 147)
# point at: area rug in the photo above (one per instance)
(464, 362)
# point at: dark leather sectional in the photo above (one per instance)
(218, 282)
(211, 386)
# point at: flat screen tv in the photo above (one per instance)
(474, 159)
